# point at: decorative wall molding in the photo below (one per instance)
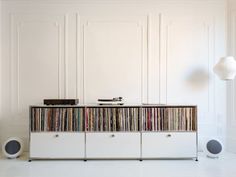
(78, 38)
(83, 61)
(144, 72)
(232, 85)
(11, 64)
(149, 36)
(208, 28)
(144, 63)
(66, 55)
(159, 59)
(59, 61)
(16, 25)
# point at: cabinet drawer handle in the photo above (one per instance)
(112, 135)
(56, 136)
(168, 136)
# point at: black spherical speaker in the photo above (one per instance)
(12, 148)
(214, 148)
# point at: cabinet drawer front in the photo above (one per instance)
(57, 145)
(169, 145)
(113, 145)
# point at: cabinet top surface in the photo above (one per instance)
(110, 105)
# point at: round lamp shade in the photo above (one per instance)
(226, 68)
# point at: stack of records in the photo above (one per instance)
(112, 101)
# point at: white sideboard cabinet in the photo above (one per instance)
(113, 132)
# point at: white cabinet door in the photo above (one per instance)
(113, 145)
(169, 145)
(57, 145)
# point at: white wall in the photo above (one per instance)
(231, 120)
(0, 58)
(145, 51)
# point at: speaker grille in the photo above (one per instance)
(214, 147)
(12, 147)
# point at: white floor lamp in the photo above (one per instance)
(225, 69)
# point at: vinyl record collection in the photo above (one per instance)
(168, 119)
(102, 119)
(112, 119)
(57, 119)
